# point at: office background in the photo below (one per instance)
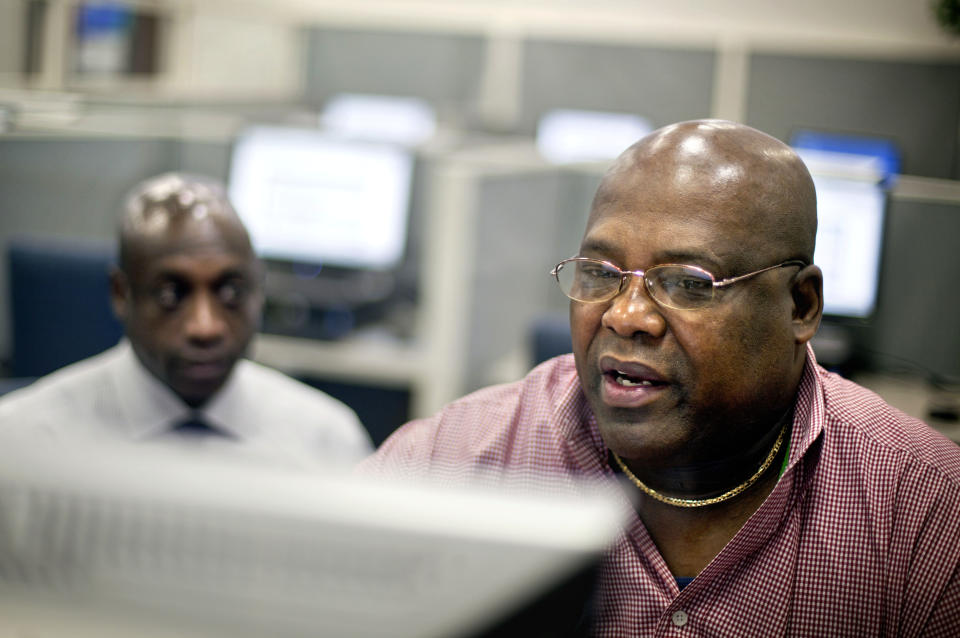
(489, 217)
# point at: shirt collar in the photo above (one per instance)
(231, 408)
(572, 411)
(148, 407)
(808, 410)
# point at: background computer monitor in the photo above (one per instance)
(566, 136)
(849, 243)
(330, 217)
(850, 176)
(309, 197)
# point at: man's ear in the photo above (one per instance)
(120, 294)
(807, 292)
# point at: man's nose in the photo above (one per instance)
(205, 321)
(633, 311)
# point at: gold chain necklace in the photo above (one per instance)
(694, 502)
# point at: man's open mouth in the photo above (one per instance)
(629, 381)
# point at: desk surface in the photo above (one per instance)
(914, 396)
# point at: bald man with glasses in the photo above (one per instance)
(767, 495)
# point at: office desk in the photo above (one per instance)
(914, 395)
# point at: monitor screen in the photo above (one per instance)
(307, 196)
(408, 121)
(851, 202)
(567, 136)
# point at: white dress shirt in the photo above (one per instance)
(112, 398)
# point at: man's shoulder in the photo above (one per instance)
(68, 388)
(513, 423)
(269, 384)
(279, 410)
(534, 399)
(541, 391)
(862, 417)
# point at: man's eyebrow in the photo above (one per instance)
(610, 251)
(170, 274)
(689, 257)
(594, 245)
(234, 273)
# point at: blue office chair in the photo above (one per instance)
(60, 302)
(549, 337)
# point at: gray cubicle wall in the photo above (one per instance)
(662, 84)
(519, 220)
(205, 157)
(917, 324)
(914, 103)
(577, 188)
(444, 69)
(526, 221)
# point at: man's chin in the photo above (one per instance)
(647, 438)
(196, 392)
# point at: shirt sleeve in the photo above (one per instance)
(944, 619)
(406, 452)
(932, 592)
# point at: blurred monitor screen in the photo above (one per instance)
(567, 136)
(851, 203)
(306, 196)
(403, 120)
(134, 540)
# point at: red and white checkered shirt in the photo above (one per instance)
(860, 537)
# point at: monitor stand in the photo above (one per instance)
(327, 303)
(833, 345)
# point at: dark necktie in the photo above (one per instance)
(196, 426)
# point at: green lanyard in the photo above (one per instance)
(786, 459)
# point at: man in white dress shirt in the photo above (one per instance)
(188, 290)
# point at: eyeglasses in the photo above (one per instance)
(672, 285)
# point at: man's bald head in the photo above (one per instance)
(762, 178)
(176, 206)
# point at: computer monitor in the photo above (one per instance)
(405, 120)
(330, 217)
(849, 244)
(850, 182)
(307, 196)
(566, 136)
(137, 540)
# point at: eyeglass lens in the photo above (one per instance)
(673, 286)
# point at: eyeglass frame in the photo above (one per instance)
(641, 273)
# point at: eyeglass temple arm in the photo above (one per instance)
(732, 280)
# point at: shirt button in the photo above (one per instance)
(679, 618)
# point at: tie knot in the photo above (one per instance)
(196, 425)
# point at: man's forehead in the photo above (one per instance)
(153, 249)
(190, 245)
(706, 173)
(160, 231)
(655, 238)
(703, 173)
(174, 192)
(194, 269)
(705, 153)
(671, 203)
